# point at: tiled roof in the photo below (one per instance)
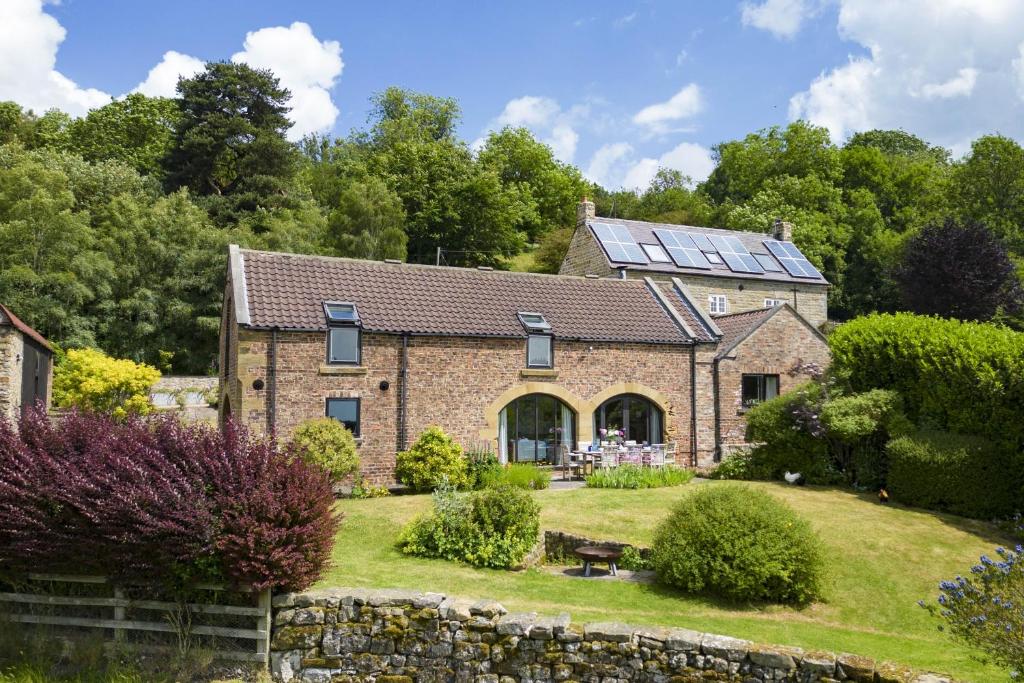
(643, 233)
(735, 326)
(8, 318)
(287, 291)
(687, 309)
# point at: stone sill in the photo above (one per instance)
(549, 373)
(326, 369)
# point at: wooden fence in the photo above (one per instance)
(58, 600)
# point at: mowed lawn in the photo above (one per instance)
(881, 560)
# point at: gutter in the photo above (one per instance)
(403, 393)
(716, 392)
(693, 404)
(272, 385)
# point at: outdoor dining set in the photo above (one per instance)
(588, 456)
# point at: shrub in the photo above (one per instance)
(328, 444)
(788, 438)
(495, 527)
(483, 468)
(857, 428)
(524, 475)
(964, 475)
(984, 610)
(91, 380)
(633, 560)
(740, 544)
(160, 501)
(433, 459)
(636, 477)
(737, 465)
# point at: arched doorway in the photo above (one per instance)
(640, 419)
(533, 427)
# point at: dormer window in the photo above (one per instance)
(344, 333)
(539, 340)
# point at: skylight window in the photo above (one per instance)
(534, 322)
(340, 312)
(656, 253)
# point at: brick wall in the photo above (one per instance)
(458, 383)
(585, 256)
(11, 354)
(782, 346)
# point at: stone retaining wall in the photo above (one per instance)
(393, 636)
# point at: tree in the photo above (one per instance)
(91, 380)
(552, 249)
(368, 222)
(958, 270)
(229, 142)
(988, 187)
(669, 199)
(137, 130)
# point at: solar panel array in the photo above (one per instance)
(619, 244)
(795, 263)
(735, 254)
(681, 248)
(768, 263)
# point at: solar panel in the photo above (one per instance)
(681, 248)
(768, 263)
(795, 263)
(702, 241)
(618, 243)
(735, 254)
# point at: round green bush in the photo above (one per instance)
(433, 459)
(740, 544)
(329, 444)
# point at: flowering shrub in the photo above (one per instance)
(495, 527)
(434, 458)
(325, 442)
(986, 609)
(740, 544)
(159, 501)
(91, 380)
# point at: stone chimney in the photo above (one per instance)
(585, 211)
(782, 230)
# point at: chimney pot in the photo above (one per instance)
(782, 230)
(585, 211)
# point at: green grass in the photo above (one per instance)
(636, 477)
(881, 560)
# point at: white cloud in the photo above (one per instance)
(782, 18)
(960, 85)
(615, 166)
(967, 53)
(546, 119)
(684, 104)
(623, 21)
(307, 66)
(162, 80)
(29, 39)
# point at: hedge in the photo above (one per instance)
(964, 475)
(962, 377)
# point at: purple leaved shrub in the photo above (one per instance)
(160, 501)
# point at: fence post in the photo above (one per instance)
(263, 623)
(119, 613)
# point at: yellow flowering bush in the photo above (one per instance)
(91, 380)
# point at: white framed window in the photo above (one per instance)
(718, 304)
(539, 351)
(772, 303)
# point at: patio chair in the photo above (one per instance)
(634, 455)
(568, 464)
(657, 455)
(670, 453)
(609, 456)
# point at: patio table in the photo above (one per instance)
(596, 553)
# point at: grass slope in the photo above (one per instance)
(881, 559)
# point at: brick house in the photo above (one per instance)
(515, 362)
(26, 366)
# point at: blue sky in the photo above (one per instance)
(616, 88)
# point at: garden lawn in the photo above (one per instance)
(881, 561)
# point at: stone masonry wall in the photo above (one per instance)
(393, 636)
(782, 346)
(11, 358)
(585, 256)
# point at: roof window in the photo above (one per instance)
(341, 313)
(534, 322)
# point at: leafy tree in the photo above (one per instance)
(988, 187)
(548, 189)
(137, 130)
(91, 380)
(368, 222)
(669, 199)
(553, 246)
(896, 143)
(958, 270)
(229, 141)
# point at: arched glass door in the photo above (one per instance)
(532, 427)
(637, 416)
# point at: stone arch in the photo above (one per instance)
(490, 432)
(653, 395)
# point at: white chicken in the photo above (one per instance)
(792, 477)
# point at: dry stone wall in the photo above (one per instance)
(393, 636)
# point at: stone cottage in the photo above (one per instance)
(516, 362)
(26, 366)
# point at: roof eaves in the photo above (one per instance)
(678, 319)
(706, 319)
(238, 288)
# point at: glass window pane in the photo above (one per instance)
(639, 411)
(344, 345)
(751, 389)
(538, 351)
(345, 411)
(771, 386)
(341, 312)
